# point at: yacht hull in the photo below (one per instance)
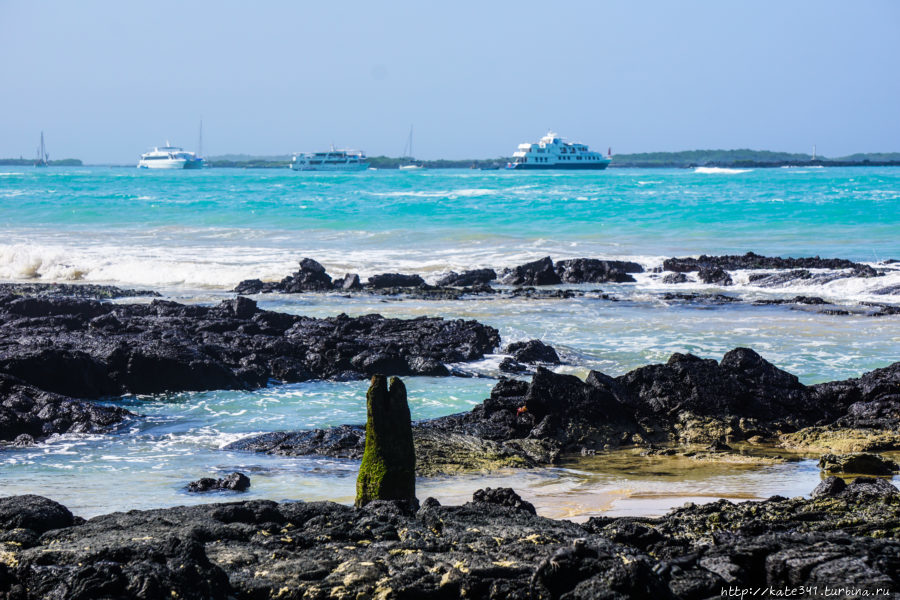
(331, 168)
(560, 167)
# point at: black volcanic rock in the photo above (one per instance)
(349, 282)
(311, 277)
(468, 278)
(539, 272)
(714, 275)
(392, 280)
(673, 278)
(95, 349)
(28, 413)
(532, 351)
(592, 270)
(76, 290)
(688, 399)
(751, 260)
(493, 547)
(236, 482)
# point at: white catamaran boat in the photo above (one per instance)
(169, 157)
(333, 160)
(554, 153)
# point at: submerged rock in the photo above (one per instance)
(95, 349)
(237, 482)
(388, 468)
(673, 278)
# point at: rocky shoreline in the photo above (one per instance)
(768, 272)
(493, 547)
(688, 400)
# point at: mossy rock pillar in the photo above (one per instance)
(388, 469)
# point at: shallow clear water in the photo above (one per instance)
(193, 235)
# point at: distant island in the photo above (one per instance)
(28, 162)
(743, 158)
(685, 159)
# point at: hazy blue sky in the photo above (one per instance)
(105, 80)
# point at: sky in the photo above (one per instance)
(107, 80)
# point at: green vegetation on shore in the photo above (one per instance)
(27, 162)
(683, 159)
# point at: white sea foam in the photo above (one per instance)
(720, 170)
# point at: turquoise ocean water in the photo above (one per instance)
(194, 234)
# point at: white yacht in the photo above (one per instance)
(169, 157)
(333, 160)
(552, 152)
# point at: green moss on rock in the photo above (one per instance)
(388, 469)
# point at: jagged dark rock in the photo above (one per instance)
(311, 277)
(28, 413)
(714, 275)
(539, 272)
(858, 463)
(686, 400)
(468, 278)
(503, 497)
(493, 547)
(751, 260)
(395, 280)
(592, 270)
(388, 467)
(532, 351)
(70, 290)
(236, 482)
(511, 365)
(349, 282)
(673, 278)
(97, 349)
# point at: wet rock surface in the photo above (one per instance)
(592, 270)
(686, 400)
(235, 482)
(468, 278)
(751, 260)
(99, 349)
(29, 414)
(539, 272)
(69, 290)
(493, 547)
(532, 351)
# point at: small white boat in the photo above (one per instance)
(169, 157)
(333, 160)
(411, 164)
